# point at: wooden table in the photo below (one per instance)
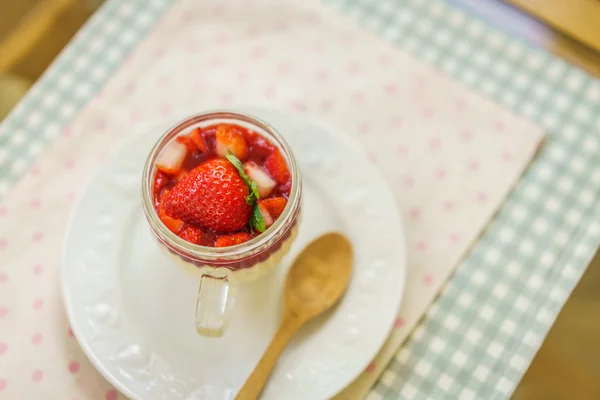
(568, 364)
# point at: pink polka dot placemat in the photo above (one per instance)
(450, 156)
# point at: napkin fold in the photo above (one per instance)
(450, 156)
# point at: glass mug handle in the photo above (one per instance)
(216, 296)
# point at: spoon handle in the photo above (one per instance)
(257, 380)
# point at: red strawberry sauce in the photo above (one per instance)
(201, 196)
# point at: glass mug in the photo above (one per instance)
(221, 269)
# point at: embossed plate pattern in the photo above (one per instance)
(132, 311)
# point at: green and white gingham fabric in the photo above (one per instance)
(478, 338)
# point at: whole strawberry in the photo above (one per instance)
(213, 196)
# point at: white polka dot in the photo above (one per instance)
(408, 391)
(522, 80)
(463, 48)
(518, 212)
(508, 326)
(469, 75)
(451, 322)
(593, 93)
(558, 294)
(500, 290)
(18, 138)
(459, 358)
(388, 378)
(509, 98)
(67, 110)
(513, 269)
(424, 27)
(80, 63)
(565, 184)
(544, 316)
(550, 120)
(506, 235)
(445, 382)
(495, 349)
(530, 109)
(582, 250)
(577, 164)
(128, 36)
(489, 87)
(534, 60)
(457, 18)
(83, 90)
(555, 70)
(479, 278)
(50, 99)
(17, 166)
(532, 339)
(547, 259)
(473, 335)
(504, 386)
(475, 28)
(544, 173)
(437, 345)
(574, 217)
(3, 187)
(467, 394)
(465, 299)
(495, 40)
(586, 197)
(514, 50)
(557, 152)
(99, 72)
(501, 68)
(50, 130)
(534, 282)
(590, 144)
(561, 101)
(481, 372)
(521, 304)
(487, 313)
(526, 247)
(423, 368)
(431, 54)
(540, 225)
(442, 36)
(552, 205)
(541, 90)
(65, 81)
(125, 9)
(35, 148)
(583, 113)
(404, 355)
(449, 65)
(574, 81)
(96, 44)
(143, 20)
(561, 238)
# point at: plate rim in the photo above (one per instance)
(257, 110)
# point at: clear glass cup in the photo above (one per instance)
(222, 269)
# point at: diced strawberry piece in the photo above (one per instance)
(160, 181)
(188, 143)
(274, 205)
(173, 224)
(233, 239)
(230, 139)
(180, 175)
(259, 146)
(266, 215)
(285, 188)
(171, 158)
(264, 182)
(191, 233)
(277, 167)
(198, 140)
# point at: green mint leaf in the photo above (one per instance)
(257, 220)
(254, 190)
(250, 199)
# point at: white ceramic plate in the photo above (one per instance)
(132, 310)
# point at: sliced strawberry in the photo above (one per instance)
(171, 157)
(173, 224)
(198, 140)
(191, 233)
(232, 240)
(274, 205)
(264, 182)
(188, 143)
(277, 167)
(230, 139)
(267, 217)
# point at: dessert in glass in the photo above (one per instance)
(221, 192)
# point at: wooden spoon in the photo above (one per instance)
(315, 282)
